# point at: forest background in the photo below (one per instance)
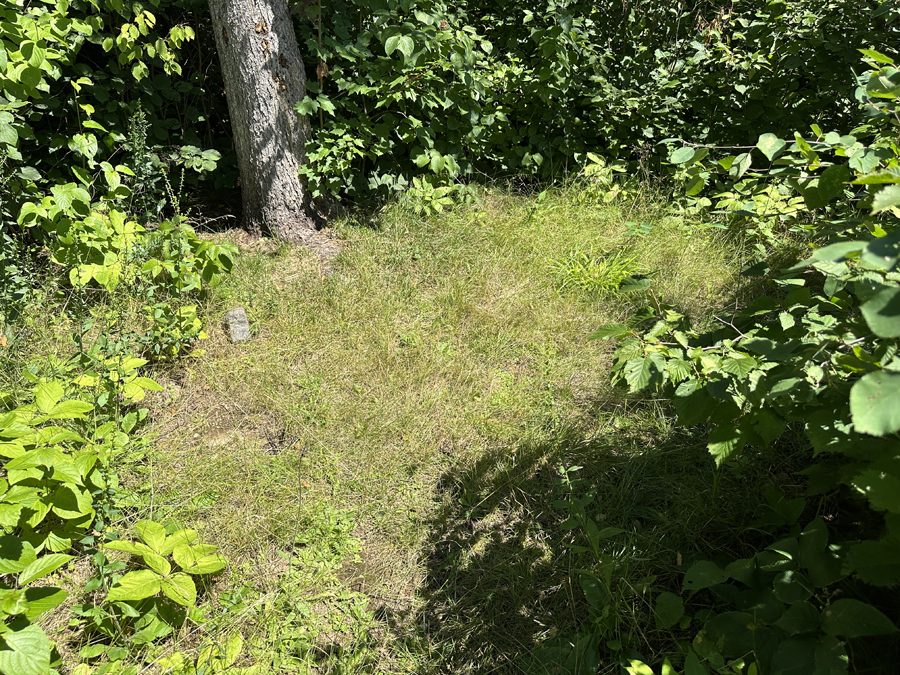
(773, 122)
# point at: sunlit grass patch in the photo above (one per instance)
(432, 347)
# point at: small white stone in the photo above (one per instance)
(237, 324)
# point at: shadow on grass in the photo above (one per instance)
(502, 592)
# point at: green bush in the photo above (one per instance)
(527, 90)
(819, 354)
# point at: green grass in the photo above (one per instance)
(381, 462)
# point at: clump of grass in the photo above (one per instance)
(596, 274)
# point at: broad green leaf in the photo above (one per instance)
(124, 546)
(155, 631)
(66, 195)
(877, 562)
(634, 285)
(678, 369)
(851, 618)
(682, 155)
(199, 559)
(41, 509)
(135, 586)
(832, 182)
(594, 592)
(742, 570)
(12, 602)
(180, 588)
(741, 366)
(791, 586)
(179, 538)
(307, 106)
(724, 441)
(882, 313)
(877, 56)
(795, 656)
(638, 668)
(147, 383)
(800, 617)
(771, 146)
(669, 610)
(703, 575)
(875, 403)
(694, 185)
(834, 252)
(404, 43)
(86, 145)
(42, 567)
(407, 46)
(82, 175)
(112, 179)
(606, 532)
(610, 330)
(28, 653)
(740, 166)
(157, 563)
(804, 147)
(139, 70)
(8, 134)
(47, 395)
(31, 77)
(882, 253)
(42, 599)
(15, 554)
(32, 53)
(693, 666)
(831, 657)
(9, 517)
(153, 534)
(881, 485)
(70, 502)
(879, 178)
(812, 541)
(69, 410)
(641, 371)
(886, 198)
(93, 651)
(696, 407)
(767, 424)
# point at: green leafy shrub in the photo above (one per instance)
(819, 354)
(411, 88)
(145, 604)
(172, 331)
(104, 248)
(51, 479)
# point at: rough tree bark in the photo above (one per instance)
(264, 78)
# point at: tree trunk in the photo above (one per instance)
(264, 78)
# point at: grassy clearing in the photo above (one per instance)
(384, 464)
